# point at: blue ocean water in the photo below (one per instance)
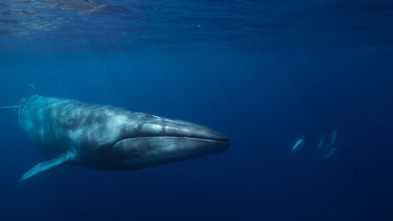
(265, 73)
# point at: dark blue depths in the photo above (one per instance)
(263, 93)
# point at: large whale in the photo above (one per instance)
(109, 138)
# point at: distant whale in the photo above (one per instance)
(328, 148)
(326, 145)
(109, 138)
(297, 144)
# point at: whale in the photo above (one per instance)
(109, 138)
(298, 143)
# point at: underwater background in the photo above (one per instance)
(277, 77)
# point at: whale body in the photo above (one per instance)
(109, 138)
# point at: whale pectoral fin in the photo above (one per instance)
(47, 165)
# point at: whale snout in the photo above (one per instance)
(168, 141)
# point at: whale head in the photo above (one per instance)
(152, 140)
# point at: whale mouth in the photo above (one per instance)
(168, 148)
(223, 138)
(158, 141)
(175, 130)
(213, 136)
(140, 152)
